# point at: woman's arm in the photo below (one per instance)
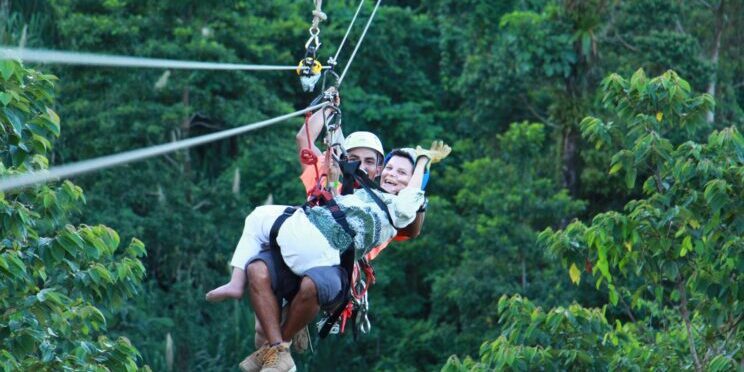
(418, 173)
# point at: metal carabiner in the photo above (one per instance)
(314, 33)
(363, 320)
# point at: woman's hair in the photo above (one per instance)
(406, 153)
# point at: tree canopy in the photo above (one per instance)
(589, 217)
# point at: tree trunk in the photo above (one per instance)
(524, 276)
(711, 115)
(686, 316)
(185, 126)
(570, 159)
(185, 129)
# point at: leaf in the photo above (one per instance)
(721, 363)
(15, 119)
(659, 116)
(630, 176)
(602, 263)
(54, 120)
(574, 273)
(613, 295)
(694, 223)
(686, 246)
(6, 69)
(5, 98)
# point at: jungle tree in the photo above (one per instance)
(58, 282)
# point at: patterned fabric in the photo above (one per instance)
(370, 223)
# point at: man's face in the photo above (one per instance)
(368, 157)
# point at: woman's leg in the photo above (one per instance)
(255, 234)
(233, 289)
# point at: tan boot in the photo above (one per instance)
(278, 359)
(254, 362)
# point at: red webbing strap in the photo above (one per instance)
(369, 274)
(307, 156)
(346, 314)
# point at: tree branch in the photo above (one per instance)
(705, 4)
(625, 43)
(627, 308)
(686, 316)
(534, 112)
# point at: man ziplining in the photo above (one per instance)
(305, 289)
(305, 250)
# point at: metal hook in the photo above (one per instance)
(313, 39)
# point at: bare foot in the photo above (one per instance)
(224, 292)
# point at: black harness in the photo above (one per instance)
(351, 175)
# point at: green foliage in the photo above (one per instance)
(505, 200)
(671, 260)
(463, 70)
(58, 281)
(572, 338)
(683, 240)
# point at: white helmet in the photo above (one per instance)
(364, 139)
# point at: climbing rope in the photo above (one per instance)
(90, 59)
(318, 16)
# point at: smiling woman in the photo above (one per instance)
(398, 169)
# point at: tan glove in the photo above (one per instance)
(435, 153)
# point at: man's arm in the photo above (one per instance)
(413, 230)
(315, 126)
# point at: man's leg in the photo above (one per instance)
(264, 301)
(302, 309)
(320, 287)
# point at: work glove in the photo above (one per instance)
(435, 153)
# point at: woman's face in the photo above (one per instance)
(396, 174)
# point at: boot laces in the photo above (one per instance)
(271, 357)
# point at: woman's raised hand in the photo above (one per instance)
(438, 151)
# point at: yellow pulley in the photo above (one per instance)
(309, 70)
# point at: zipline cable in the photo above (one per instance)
(346, 35)
(91, 59)
(359, 43)
(86, 166)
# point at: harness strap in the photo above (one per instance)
(368, 185)
(347, 263)
(348, 169)
(274, 232)
(340, 217)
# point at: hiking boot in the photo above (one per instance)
(301, 341)
(254, 361)
(278, 359)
